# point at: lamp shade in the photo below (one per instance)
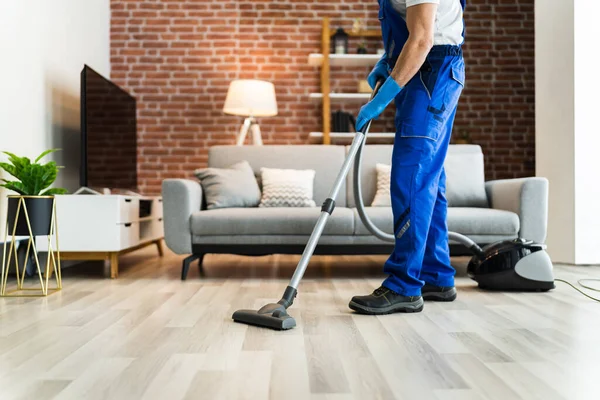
(250, 97)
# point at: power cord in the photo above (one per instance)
(579, 282)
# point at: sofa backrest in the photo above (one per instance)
(325, 160)
(371, 155)
(465, 185)
(465, 176)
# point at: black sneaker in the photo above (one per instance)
(438, 293)
(385, 301)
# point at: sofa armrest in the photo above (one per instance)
(528, 198)
(181, 197)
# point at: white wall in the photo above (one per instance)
(44, 45)
(567, 129)
(554, 120)
(587, 133)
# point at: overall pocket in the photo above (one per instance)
(421, 95)
(456, 84)
(445, 84)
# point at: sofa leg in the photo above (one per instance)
(186, 265)
(200, 266)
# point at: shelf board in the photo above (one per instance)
(316, 59)
(342, 96)
(350, 135)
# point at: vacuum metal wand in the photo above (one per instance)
(274, 315)
(329, 203)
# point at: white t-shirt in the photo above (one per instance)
(448, 20)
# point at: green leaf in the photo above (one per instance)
(49, 172)
(45, 153)
(33, 177)
(19, 164)
(9, 168)
(14, 186)
(53, 191)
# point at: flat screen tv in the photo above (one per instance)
(108, 134)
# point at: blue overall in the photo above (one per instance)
(425, 111)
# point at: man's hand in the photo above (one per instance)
(380, 71)
(387, 92)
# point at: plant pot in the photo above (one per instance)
(39, 210)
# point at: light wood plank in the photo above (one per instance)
(480, 377)
(173, 380)
(150, 335)
(96, 381)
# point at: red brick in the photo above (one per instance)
(178, 57)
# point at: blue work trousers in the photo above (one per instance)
(425, 111)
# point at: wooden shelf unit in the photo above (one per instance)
(359, 60)
(350, 135)
(325, 60)
(341, 96)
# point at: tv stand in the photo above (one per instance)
(87, 190)
(107, 226)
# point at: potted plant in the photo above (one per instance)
(362, 47)
(358, 28)
(32, 185)
(463, 138)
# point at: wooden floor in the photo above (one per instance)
(149, 335)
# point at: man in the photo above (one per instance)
(423, 71)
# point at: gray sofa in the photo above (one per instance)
(485, 211)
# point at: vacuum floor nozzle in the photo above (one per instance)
(273, 316)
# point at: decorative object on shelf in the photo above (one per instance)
(328, 57)
(363, 86)
(362, 47)
(342, 121)
(358, 29)
(340, 42)
(462, 138)
(31, 213)
(358, 26)
(250, 98)
(380, 52)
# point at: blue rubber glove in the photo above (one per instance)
(387, 92)
(380, 72)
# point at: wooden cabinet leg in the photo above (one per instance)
(114, 265)
(159, 247)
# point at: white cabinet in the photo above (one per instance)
(104, 226)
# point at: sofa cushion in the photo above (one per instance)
(465, 220)
(465, 186)
(325, 160)
(235, 186)
(287, 187)
(382, 196)
(269, 221)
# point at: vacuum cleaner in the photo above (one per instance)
(508, 265)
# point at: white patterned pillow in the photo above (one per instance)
(382, 196)
(287, 188)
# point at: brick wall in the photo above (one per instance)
(178, 56)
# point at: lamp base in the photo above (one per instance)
(251, 125)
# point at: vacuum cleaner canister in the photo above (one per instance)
(512, 265)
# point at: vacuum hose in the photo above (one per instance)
(360, 204)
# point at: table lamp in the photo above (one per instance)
(250, 98)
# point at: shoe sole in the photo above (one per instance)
(449, 295)
(413, 307)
